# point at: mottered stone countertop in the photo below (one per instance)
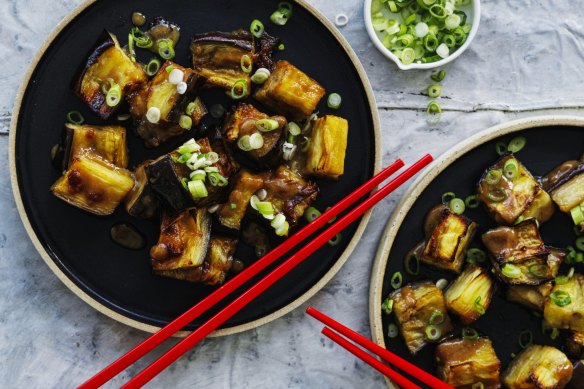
(527, 59)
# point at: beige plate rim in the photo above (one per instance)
(419, 185)
(147, 327)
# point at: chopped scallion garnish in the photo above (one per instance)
(396, 280)
(561, 298)
(75, 117)
(239, 89)
(256, 28)
(334, 101)
(525, 338)
(434, 91)
(516, 144)
(152, 67)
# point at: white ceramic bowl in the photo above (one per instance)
(473, 12)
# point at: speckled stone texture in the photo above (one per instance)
(526, 60)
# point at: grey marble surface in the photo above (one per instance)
(527, 60)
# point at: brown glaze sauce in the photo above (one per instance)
(127, 236)
(433, 217)
(138, 19)
(552, 178)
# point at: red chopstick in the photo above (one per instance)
(200, 333)
(399, 379)
(201, 307)
(387, 355)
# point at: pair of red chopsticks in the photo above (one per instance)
(246, 297)
(384, 354)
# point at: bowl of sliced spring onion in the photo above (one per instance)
(422, 34)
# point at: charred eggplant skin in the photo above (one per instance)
(165, 177)
(142, 201)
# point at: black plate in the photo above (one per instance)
(546, 148)
(79, 242)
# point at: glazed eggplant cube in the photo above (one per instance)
(245, 184)
(107, 142)
(447, 244)
(217, 57)
(413, 307)
(513, 199)
(328, 143)
(142, 201)
(93, 184)
(183, 241)
(538, 367)
(519, 255)
(289, 91)
(469, 295)
(242, 122)
(107, 63)
(464, 363)
(564, 307)
(199, 110)
(531, 296)
(170, 104)
(214, 269)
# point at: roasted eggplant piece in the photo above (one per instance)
(469, 296)
(245, 184)
(166, 103)
(162, 33)
(199, 110)
(577, 381)
(215, 268)
(217, 56)
(93, 184)
(519, 255)
(568, 192)
(575, 344)
(464, 363)
(531, 296)
(107, 142)
(413, 306)
(107, 64)
(538, 367)
(328, 143)
(183, 241)
(142, 201)
(289, 91)
(242, 122)
(564, 307)
(510, 193)
(447, 244)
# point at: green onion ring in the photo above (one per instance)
(433, 112)
(311, 213)
(335, 240)
(438, 76)
(493, 176)
(113, 96)
(525, 338)
(447, 197)
(396, 280)
(471, 201)
(408, 265)
(456, 205)
(511, 169)
(433, 332)
(434, 91)
(75, 117)
(387, 306)
(478, 306)
(538, 269)
(152, 67)
(334, 101)
(246, 63)
(511, 271)
(469, 333)
(561, 298)
(392, 331)
(579, 243)
(437, 317)
(256, 28)
(475, 255)
(165, 48)
(239, 85)
(501, 148)
(497, 195)
(141, 39)
(516, 144)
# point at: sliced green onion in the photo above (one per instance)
(554, 334)
(266, 125)
(113, 96)
(197, 189)
(169, 68)
(497, 195)
(265, 207)
(152, 67)
(511, 169)
(516, 144)
(443, 50)
(283, 229)
(293, 129)
(387, 306)
(165, 48)
(438, 77)
(525, 338)
(442, 283)
(281, 15)
(471, 201)
(198, 175)
(189, 146)
(501, 148)
(493, 176)
(475, 255)
(244, 143)
(335, 240)
(190, 108)
(232, 205)
(511, 271)
(392, 331)
(433, 112)
(437, 317)
(260, 76)
(75, 117)
(256, 28)
(141, 39)
(217, 179)
(407, 56)
(561, 298)
(256, 141)
(478, 306)
(239, 89)
(452, 21)
(281, 47)
(449, 40)
(447, 197)
(434, 90)
(456, 206)
(538, 269)
(577, 214)
(469, 333)
(311, 213)
(433, 332)
(334, 101)
(396, 280)
(246, 63)
(519, 220)
(431, 42)
(412, 265)
(185, 122)
(579, 243)
(438, 11)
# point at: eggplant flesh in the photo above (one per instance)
(93, 184)
(446, 246)
(463, 363)
(473, 287)
(413, 305)
(183, 241)
(107, 62)
(107, 142)
(530, 296)
(538, 367)
(327, 147)
(142, 201)
(244, 185)
(570, 316)
(510, 200)
(291, 92)
(569, 191)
